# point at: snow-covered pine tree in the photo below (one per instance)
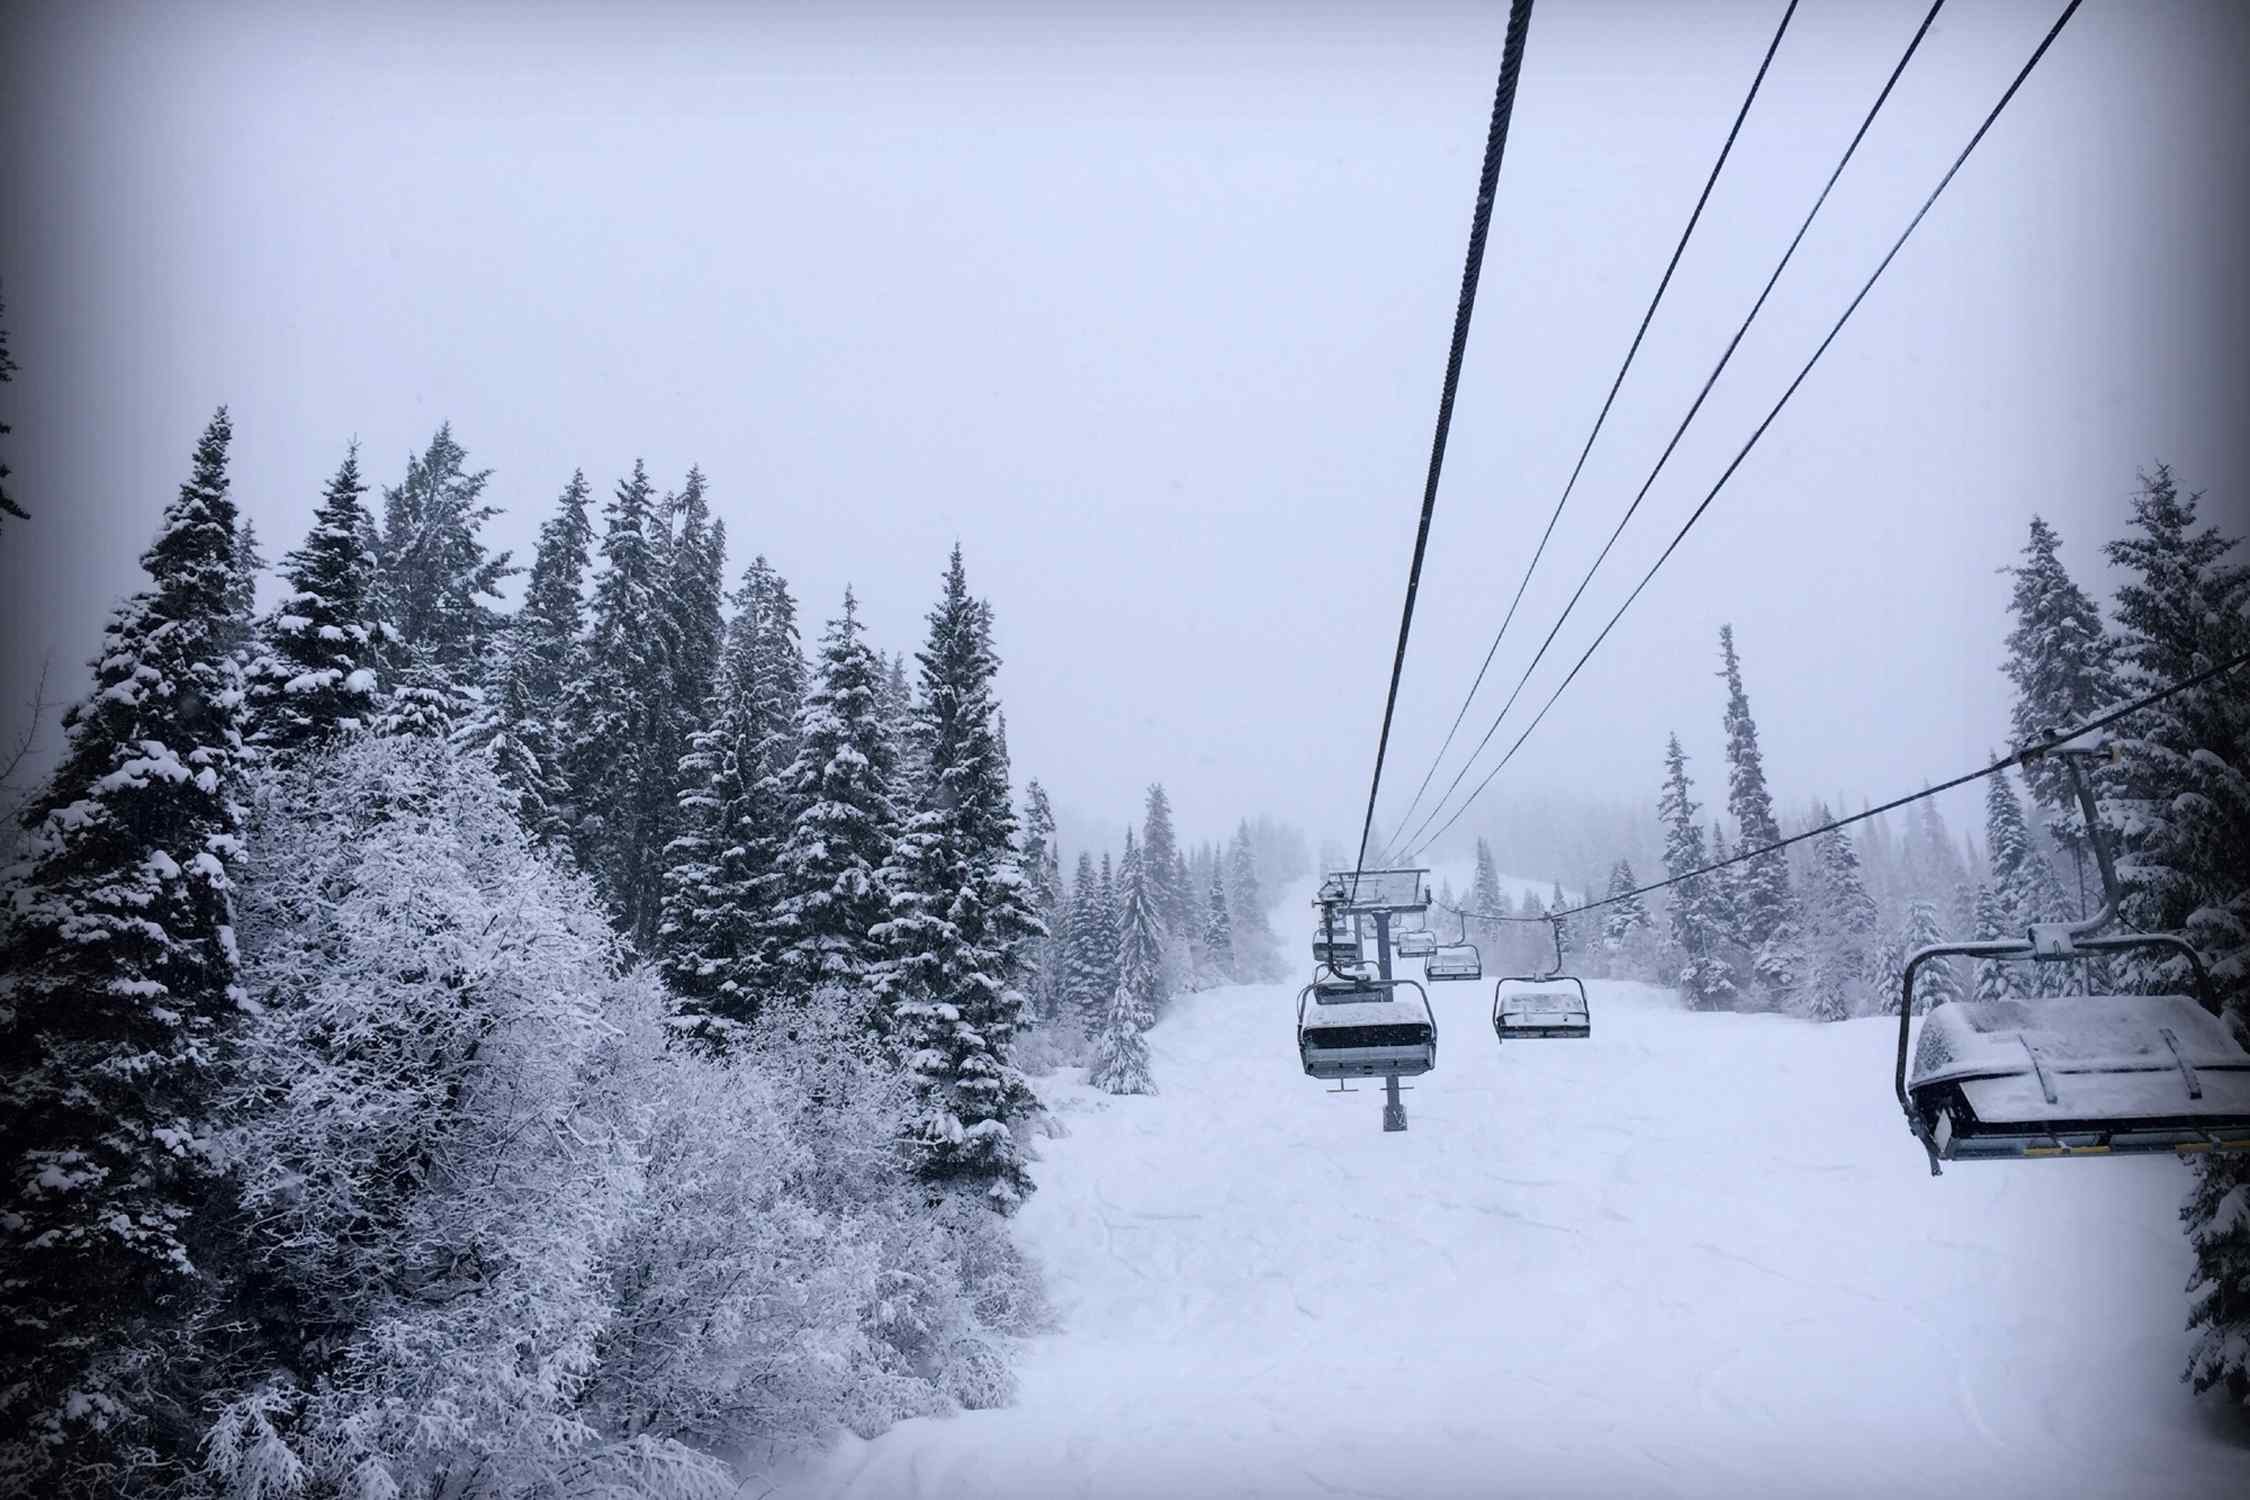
(1844, 935)
(2062, 662)
(1626, 926)
(1724, 908)
(1042, 872)
(434, 568)
(1935, 865)
(831, 893)
(1771, 926)
(1090, 935)
(1485, 896)
(1888, 973)
(523, 723)
(1564, 937)
(960, 926)
(2184, 804)
(1705, 978)
(895, 710)
(1961, 912)
(1160, 867)
(1190, 945)
(316, 674)
(1995, 979)
(242, 598)
(616, 707)
(1218, 935)
(1934, 982)
(1109, 906)
(1257, 951)
(425, 700)
(117, 1010)
(1120, 1063)
(707, 935)
(693, 628)
(2026, 884)
(723, 872)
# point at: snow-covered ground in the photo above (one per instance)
(1695, 1255)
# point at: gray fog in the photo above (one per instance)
(1147, 307)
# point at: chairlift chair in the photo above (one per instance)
(1335, 941)
(1542, 1007)
(2077, 1075)
(1455, 961)
(1417, 942)
(1546, 1008)
(1357, 1027)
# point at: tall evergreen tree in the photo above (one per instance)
(1994, 979)
(1625, 921)
(2184, 796)
(1218, 934)
(1766, 908)
(722, 869)
(694, 629)
(961, 925)
(242, 594)
(840, 836)
(1091, 949)
(119, 998)
(1844, 935)
(895, 710)
(1705, 978)
(316, 674)
(525, 722)
(1935, 982)
(1120, 1063)
(1160, 867)
(618, 707)
(434, 570)
(2025, 882)
(1485, 895)
(1256, 948)
(1109, 902)
(1564, 938)
(1042, 870)
(2063, 665)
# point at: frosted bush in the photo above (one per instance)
(508, 1235)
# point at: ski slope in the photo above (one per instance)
(1696, 1255)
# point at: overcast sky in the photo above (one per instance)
(1147, 306)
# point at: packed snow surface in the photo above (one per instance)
(1695, 1255)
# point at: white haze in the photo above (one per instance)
(1147, 307)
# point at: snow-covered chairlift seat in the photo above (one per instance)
(1337, 954)
(2078, 1075)
(1365, 1028)
(1549, 1007)
(1418, 943)
(1453, 961)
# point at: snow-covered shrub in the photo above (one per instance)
(510, 1236)
(430, 1161)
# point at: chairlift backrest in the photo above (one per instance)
(1453, 961)
(2082, 1075)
